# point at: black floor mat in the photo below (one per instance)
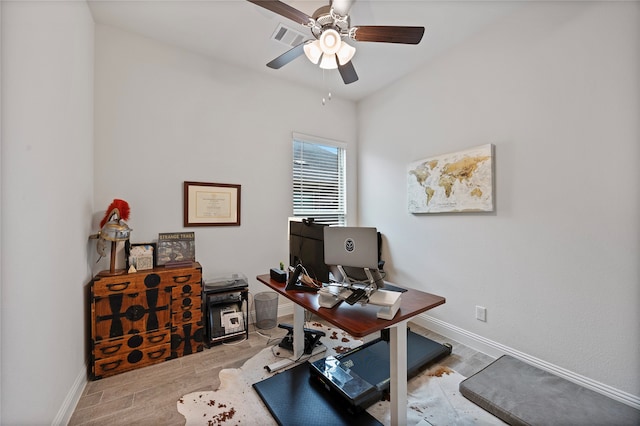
(293, 399)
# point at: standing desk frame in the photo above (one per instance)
(359, 321)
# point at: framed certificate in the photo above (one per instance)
(211, 204)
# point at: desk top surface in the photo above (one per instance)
(357, 320)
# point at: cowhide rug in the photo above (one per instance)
(433, 397)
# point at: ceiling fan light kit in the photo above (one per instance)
(312, 51)
(329, 28)
(330, 41)
(331, 48)
(345, 54)
(328, 62)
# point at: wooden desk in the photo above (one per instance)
(359, 321)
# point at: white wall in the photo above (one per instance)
(164, 116)
(47, 185)
(555, 87)
(1, 44)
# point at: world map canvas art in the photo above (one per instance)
(456, 182)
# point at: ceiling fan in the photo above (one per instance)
(329, 25)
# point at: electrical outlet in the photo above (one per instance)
(481, 313)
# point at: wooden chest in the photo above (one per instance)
(144, 318)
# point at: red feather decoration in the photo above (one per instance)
(123, 209)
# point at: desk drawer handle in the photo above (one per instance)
(108, 350)
(111, 365)
(181, 279)
(157, 339)
(118, 286)
(157, 354)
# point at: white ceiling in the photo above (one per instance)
(239, 33)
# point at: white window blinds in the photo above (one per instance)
(319, 181)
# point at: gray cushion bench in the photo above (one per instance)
(521, 394)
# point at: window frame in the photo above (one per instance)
(341, 218)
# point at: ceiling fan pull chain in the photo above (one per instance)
(328, 98)
(324, 84)
(324, 100)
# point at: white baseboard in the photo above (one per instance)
(71, 400)
(495, 349)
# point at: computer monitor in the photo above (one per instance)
(353, 250)
(306, 247)
(351, 246)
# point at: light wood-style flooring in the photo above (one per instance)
(148, 396)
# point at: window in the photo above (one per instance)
(319, 189)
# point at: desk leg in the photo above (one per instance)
(298, 331)
(398, 369)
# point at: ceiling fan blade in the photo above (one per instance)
(389, 34)
(348, 73)
(287, 57)
(284, 9)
